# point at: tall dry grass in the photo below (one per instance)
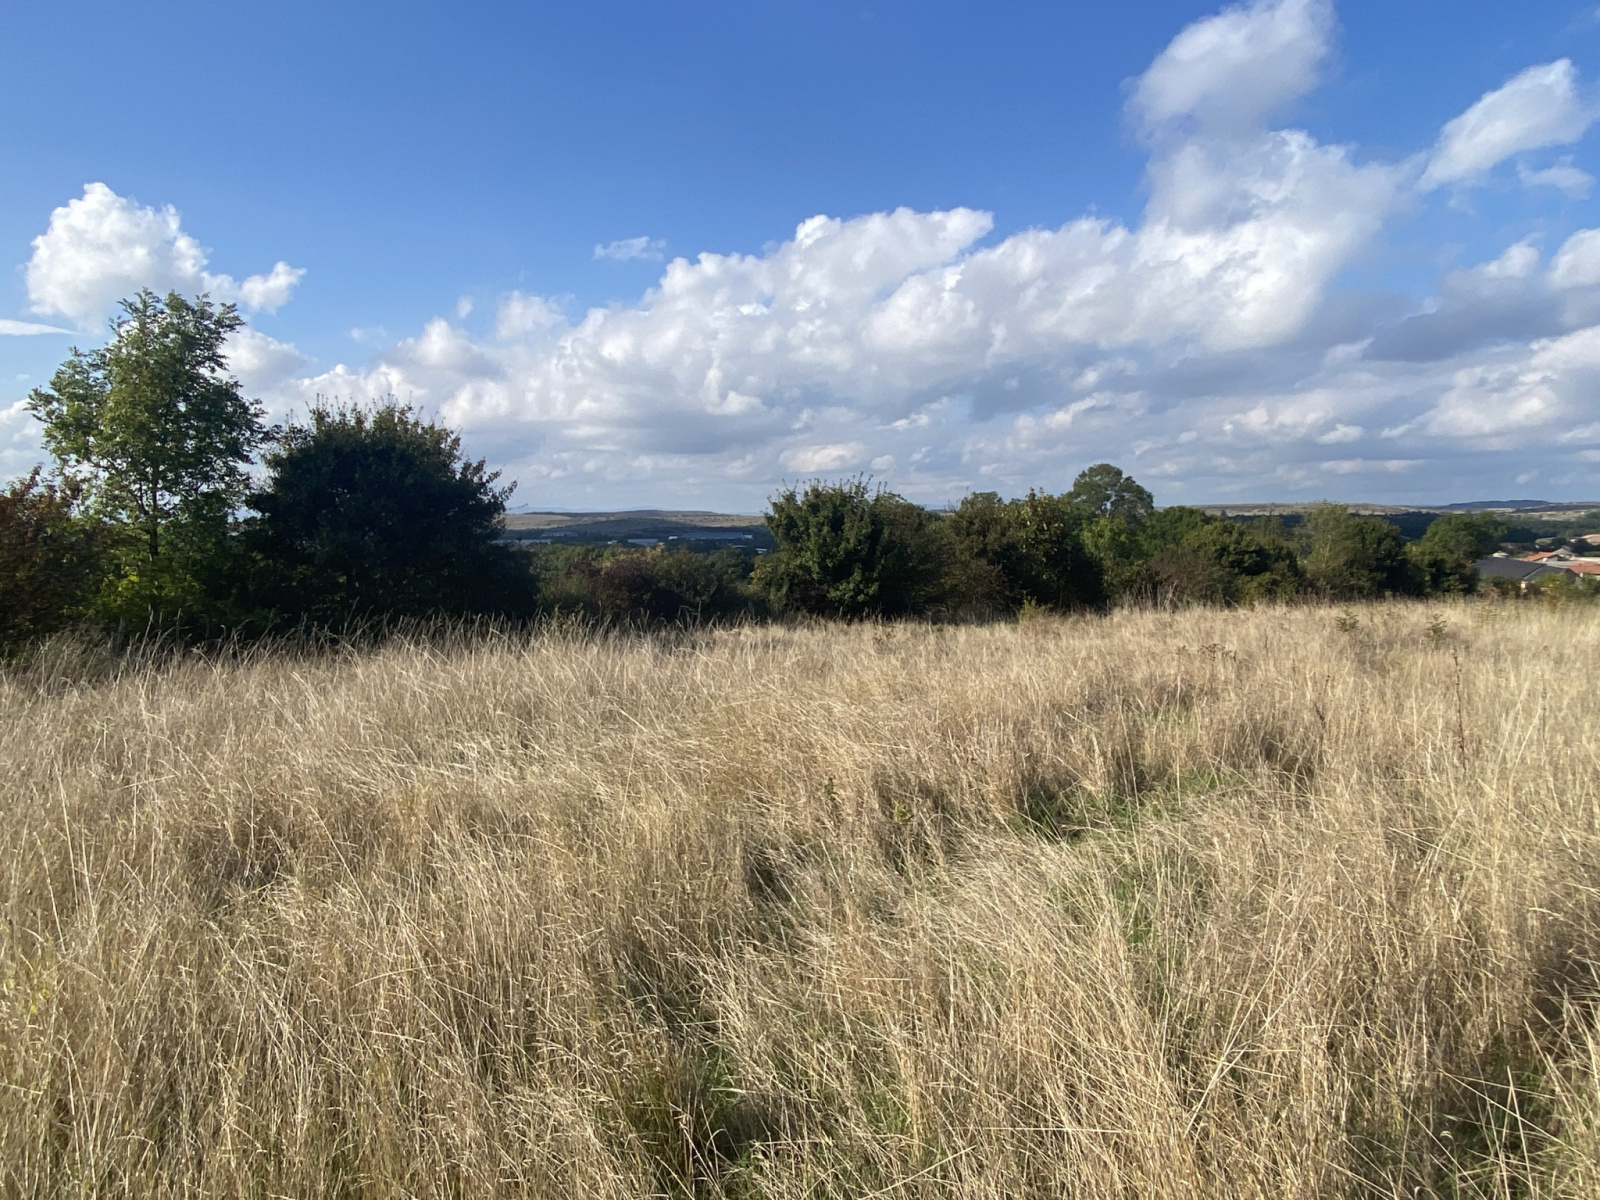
(1208, 904)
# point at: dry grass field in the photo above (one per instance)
(1276, 903)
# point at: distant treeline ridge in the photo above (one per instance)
(173, 508)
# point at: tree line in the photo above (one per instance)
(172, 506)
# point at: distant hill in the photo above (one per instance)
(1526, 508)
(641, 526)
(705, 530)
(1528, 520)
(1520, 506)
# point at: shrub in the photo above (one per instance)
(50, 560)
(629, 588)
(1026, 551)
(846, 550)
(1350, 557)
(1444, 554)
(711, 585)
(621, 583)
(1565, 588)
(1226, 563)
(376, 514)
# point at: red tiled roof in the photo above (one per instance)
(1583, 568)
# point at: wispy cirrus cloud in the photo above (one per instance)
(633, 249)
(10, 328)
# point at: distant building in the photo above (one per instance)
(1520, 570)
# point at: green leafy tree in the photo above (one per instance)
(1104, 491)
(1114, 545)
(1053, 563)
(1225, 562)
(1185, 555)
(1142, 563)
(1273, 531)
(847, 550)
(981, 578)
(1114, 507)
(629, 588)
(712, 585)
(1167, 528)
(1026, 551)
(374, 515)
(49, 560)
(1464, 535)
(1445, 552)
(158, 438)
(1351, 557)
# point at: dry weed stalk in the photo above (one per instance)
(1238, 904)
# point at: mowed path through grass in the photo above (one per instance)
(1271, 903)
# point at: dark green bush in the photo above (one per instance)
(1351, 557)
(1222, 562)
(629, 588)
(644, 586)
(847, 550)
(1029, 551)
(1444, 554)
(713, 585)
(1183, 555)
(375, 515)
(51, 560)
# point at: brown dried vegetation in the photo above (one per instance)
(1247, 904)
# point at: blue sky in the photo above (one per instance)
(672, 254)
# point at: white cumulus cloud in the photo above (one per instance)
(262, 363)
(1540, 107)
(263, 293)
(1555, 380)
(821, 349)
(102, 247)
(520, 316)
(908, 338)
(1215, 339)
(1231, 72)
(824, 458)
(1577, 263)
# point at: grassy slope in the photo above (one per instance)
(1207, 904)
